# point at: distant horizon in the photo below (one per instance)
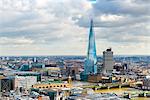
(61, 55)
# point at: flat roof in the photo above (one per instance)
(49, 82)
(25, 72)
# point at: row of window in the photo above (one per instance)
(52, 86)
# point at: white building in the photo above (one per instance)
(108, 61)
(25, 81)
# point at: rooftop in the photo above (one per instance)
(51, 82)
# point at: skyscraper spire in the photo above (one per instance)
(91, 60)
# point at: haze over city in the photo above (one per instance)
(61, 27)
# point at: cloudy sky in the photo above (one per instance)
(60, 27)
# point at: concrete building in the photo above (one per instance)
(25, 81)
(54, 71)
(146, 84)
(73, 71)
(28, 73)
(108, 62)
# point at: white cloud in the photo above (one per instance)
(15, 41)
(110, 18)
(36, 27)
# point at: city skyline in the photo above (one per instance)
(47, 27)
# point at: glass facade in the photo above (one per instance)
(90, 66)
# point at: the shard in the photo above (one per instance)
(90, 66)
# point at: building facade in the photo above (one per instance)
(108, 61)
(50, 85)
(54, 71)
(25, 81)
(90, 66)
(146, 84)
(6, 84)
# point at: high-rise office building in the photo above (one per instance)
(90, 66)
(34, 59)
(108, 61)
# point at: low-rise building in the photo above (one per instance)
(25, 81)
(146, 84)
(52, 84)
(54, 71)
(28, 73)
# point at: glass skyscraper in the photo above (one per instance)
(90, 66)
